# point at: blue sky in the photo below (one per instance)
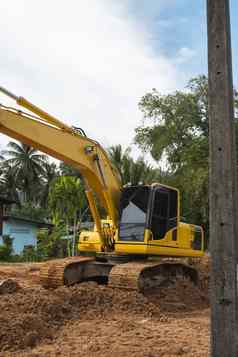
(90, 62)
(177, 24)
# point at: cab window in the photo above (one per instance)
(160, 213)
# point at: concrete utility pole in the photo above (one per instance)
(223, 181)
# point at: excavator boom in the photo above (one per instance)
(51, 136)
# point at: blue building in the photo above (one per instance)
(22, 230)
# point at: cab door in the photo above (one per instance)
(163, 217)
(160, 214)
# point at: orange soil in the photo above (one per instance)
(92, 320)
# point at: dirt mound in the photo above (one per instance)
(32, 315)
(26, 274)
(182, 296)
(9, 286)
(35, 314)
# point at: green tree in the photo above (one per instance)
(30, 211)
(175, 131)
(50, 243)
(67, 202)
(27, 166)
(133, 171)
(67, 170)
(120, 159)
(8, 184)
(141, 171)
(50, 173)
(6, 248)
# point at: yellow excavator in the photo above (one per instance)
(142, 241)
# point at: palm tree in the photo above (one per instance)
(27, 166)
(8, 184)
(130, 170)
(121, 160)
(141, 171)
(50, 174)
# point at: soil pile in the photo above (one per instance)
(32, 315)
(26, 274)
(9, 286)
(94, 320)
(182, 296)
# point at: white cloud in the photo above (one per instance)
(185, 54)
(87, 62)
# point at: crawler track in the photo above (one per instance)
(142, 276)
(52, 274)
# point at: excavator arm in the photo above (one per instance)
(51, 136)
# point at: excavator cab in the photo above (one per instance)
(150, 223)
(147, 207)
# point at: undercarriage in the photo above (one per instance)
(137, 274)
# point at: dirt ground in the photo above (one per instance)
(95, 320)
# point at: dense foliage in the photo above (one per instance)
(132, 171)
(175, 131)
(67, 202)
(6, 248)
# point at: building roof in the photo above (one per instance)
(40, 224)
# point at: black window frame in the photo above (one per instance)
(171, 222)
(123, 239)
